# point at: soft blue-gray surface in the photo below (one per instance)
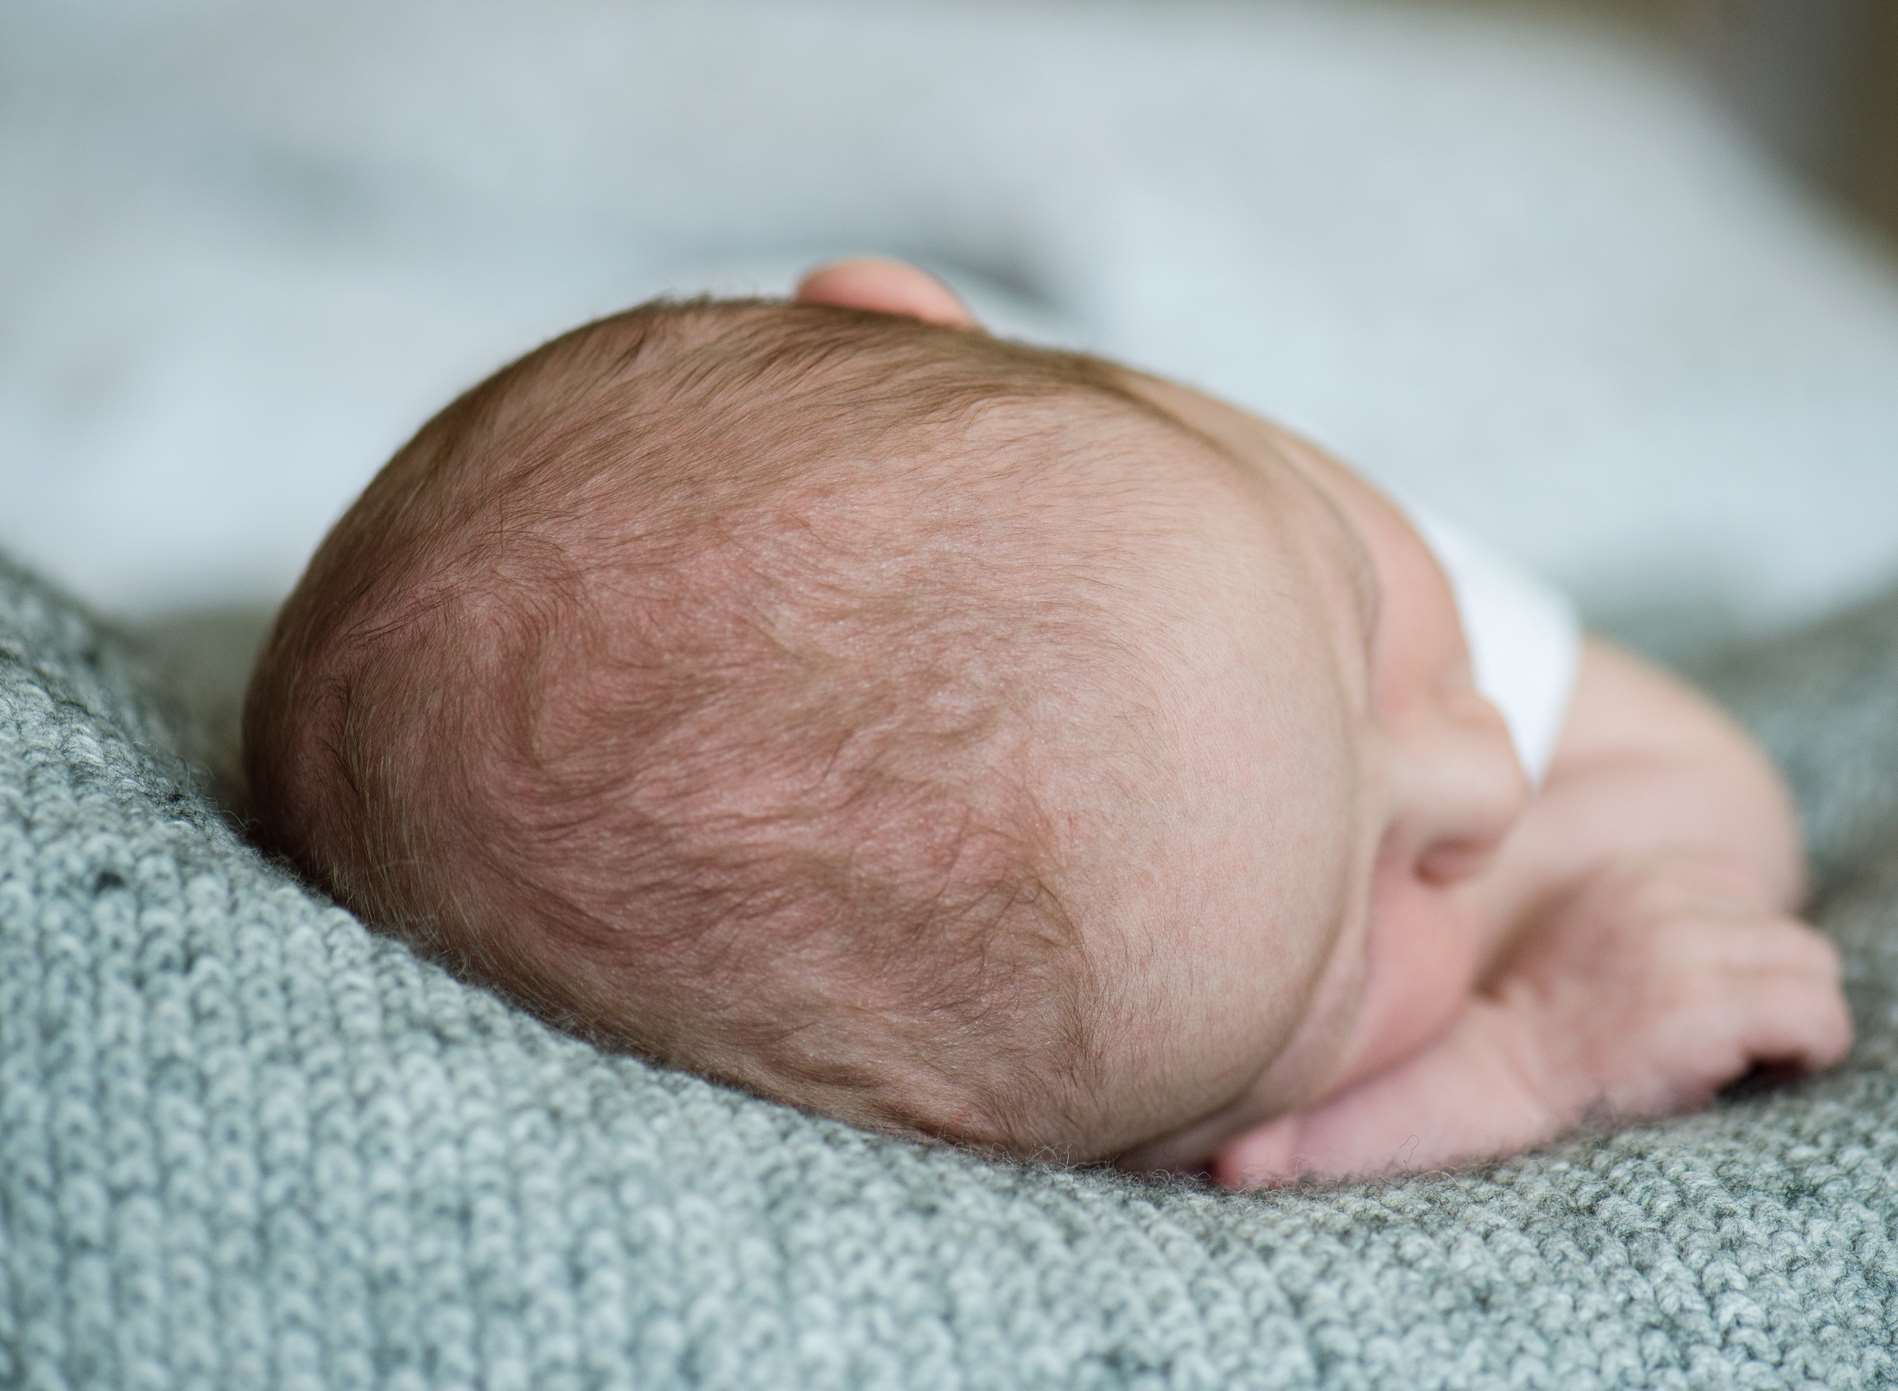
(245, 1143)
(1512, 261)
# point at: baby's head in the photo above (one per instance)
(955, 737)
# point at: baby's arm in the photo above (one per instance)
(1645, 763)
(1639, 953)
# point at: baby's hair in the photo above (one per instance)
(691, 680)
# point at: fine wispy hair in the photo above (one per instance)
(692, 680)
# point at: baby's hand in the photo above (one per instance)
(1661, 980)
(1657, 982)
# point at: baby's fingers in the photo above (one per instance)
(1785, 976)
(1795, 1020)
(1730, 1022)
(1767, 943)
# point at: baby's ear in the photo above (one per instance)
(884, 286)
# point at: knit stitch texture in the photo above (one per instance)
(246, 1143)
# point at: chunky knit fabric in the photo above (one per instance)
(245, 1143)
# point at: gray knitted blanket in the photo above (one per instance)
(246, 1143)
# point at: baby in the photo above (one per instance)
(981, 742)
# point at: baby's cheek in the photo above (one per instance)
(1422, 960)
(1262, 1157)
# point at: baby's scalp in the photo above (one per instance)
(699, 680)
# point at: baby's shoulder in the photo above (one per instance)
(1525, 634)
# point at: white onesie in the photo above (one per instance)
(1525, 636)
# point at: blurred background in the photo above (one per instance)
(1611, 284)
